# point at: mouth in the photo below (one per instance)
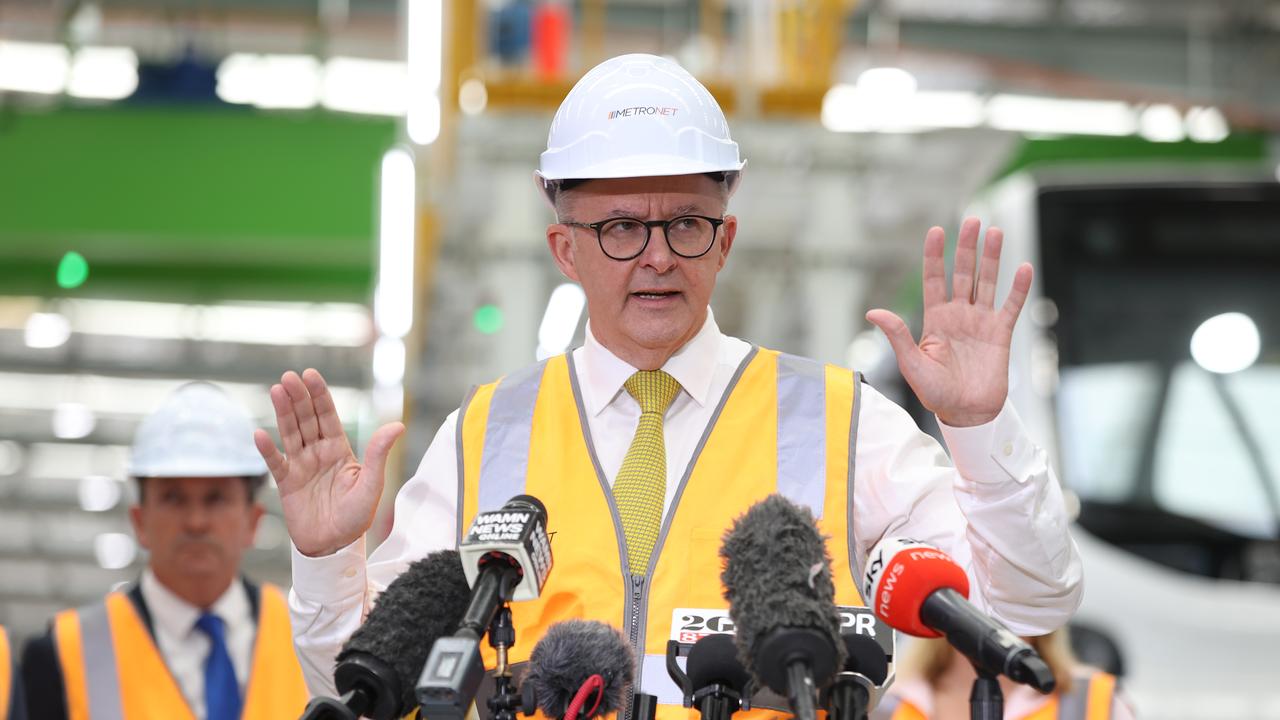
(655, 294)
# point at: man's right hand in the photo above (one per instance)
(328, 497)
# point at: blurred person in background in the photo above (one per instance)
(933, 682)
(192, 637)
(647, 442)
(12, 706)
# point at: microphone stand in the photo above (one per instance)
(505, 699)
(986, 700)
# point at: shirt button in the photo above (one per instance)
(349, 572)
(1008, 449)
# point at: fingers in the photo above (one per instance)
(935, 267)
(277, 464)
(966, 260)
(375, 453)
(1017, 295)
(899, 335)
(286, 421)
(303, 408)
(326, 412)
(989, 269)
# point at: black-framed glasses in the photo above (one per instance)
(624, 238)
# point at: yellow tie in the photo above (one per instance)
(641, 486)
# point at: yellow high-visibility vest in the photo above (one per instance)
(785, 425)
(1092, 697)
(112, 669)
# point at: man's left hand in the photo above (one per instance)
(960, 368)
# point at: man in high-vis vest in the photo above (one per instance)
(192, 638)
(647, 441)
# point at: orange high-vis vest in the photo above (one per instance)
(785, 425)
(7, 675)
(1092, 697)
(112, 669)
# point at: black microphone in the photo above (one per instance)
(777, 579)
(718, 684)
(865, 669)
(921, 591)
(506, 556)
(563, 663)
(377, 666)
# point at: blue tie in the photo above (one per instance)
(221, 691)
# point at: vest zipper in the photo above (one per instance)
(637, 602)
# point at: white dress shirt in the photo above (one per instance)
(1015, 545)
(185, 648)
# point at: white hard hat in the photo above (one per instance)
(638, 116)
(198, 431)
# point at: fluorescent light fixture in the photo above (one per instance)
(99, 493)
(72, 421)
(1057, 116)
(46, 330)
(265, 323)
(393, 297)
(114, 551)
(369, 87)
(1226, 343)
(560, 321)
(104, 73)
(1161, 123)
(1206, 124)
(270, 81)
(388, 361)
(473, 96)
(426, 60)
(34, 67)
(845, 108)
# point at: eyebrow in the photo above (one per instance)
(677, 212)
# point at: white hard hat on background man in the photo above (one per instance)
(198, 431)
(638, 116)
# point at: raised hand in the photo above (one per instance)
(328, 496)
(960, 368)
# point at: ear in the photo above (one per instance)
(560, 241)
(256, 511)
(139, 527)
(728, 231)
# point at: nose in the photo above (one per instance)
(657, 254)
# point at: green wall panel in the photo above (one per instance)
(191, 204)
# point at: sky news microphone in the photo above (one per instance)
(865, 668)
(378, 665)
(921, 591)
(580, 669)
(506, 556)
(777, 579)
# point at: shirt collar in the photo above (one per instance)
(177, 617)
(693, 366)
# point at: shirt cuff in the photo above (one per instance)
(324, 578)
(995, 452)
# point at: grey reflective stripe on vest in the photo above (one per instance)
(855, 558)
(101, 676)
(1075, 704)
(802, 432)
(505, 459)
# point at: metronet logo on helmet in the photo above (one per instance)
(642, 110)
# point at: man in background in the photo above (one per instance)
(192, 637)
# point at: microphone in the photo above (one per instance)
(506, 556)
(921, 591)
(777, 579)
(563, 668)
(865, 669)
(378, 664)
(718, 684)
